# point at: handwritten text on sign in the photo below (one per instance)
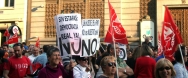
(90, 28)
(87, 47)
(69, 29)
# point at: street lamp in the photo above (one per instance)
(36, 8)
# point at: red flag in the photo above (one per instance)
(115, 29)
(37, 43)
(13, 39)
(160, 48)
(6, 33)
(170, 36)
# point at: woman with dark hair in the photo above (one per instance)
(181, 72)
(132, 61)
(82, 70)
(53, 68)
(2, 61)
(145, 64)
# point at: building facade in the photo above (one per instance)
(13, 12)
(129, 12)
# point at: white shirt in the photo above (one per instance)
(79, 72)
(181, 72)
(31, 58)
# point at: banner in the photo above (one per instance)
(68, 28)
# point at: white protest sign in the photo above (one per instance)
(90, 36)
(90, 46)
(122, 53)
(68, 27)
(90, 28)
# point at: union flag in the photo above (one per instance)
(115, 30)
(170, 37)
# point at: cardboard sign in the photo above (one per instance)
(68, 28)
(90, 28)
(90, 46)
(90, 36)
(122, 53)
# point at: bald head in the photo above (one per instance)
(35, 51)
(147, 39)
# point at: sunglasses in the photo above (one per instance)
(111, 64)
(84, 59)
(162, 68)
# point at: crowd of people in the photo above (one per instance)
(22, 61)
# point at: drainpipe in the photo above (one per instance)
(25, 22)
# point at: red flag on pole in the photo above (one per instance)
(115, 29)
(37, 43)
(13, 39)
(6, 33)
(170, 36)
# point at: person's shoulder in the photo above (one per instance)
(24, 57)
(42, 72)
(12, 58)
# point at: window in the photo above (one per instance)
(9, 3)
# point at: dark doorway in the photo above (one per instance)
(3, 38)
(180, 16)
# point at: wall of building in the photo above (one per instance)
(13, 14)
(37, 21)
(128, 12)
(161, 9)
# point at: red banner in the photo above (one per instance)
(37, 43)
(6, 33)
(13, 39)
(115, 29)
(170, 36)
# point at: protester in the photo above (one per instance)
(11, 52)
(108, 65)
(18, 65)
(100, 72)
(35, 53)
(123, 69)
(54, 69)
(181, 72)
(132, 61)
(147, 42)
(128, 48)
(42, 59)
(101, 51)
(155, 51)
(25, 46)
(164, 69)
(145, 64)
(6, 49)
(82, 70)
(2, 62)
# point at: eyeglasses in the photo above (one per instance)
(162, 68)
(111, 64)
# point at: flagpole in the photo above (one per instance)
(115, 56)
(181, 56)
